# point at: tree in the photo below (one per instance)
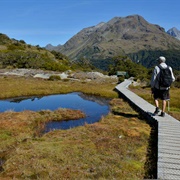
(124, 63)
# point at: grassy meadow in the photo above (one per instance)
(20, 86)
(116, 147)
(174, 103)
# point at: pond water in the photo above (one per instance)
(94, 107)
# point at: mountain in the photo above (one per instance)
(174, 32)
(50, 47)
(131, 35)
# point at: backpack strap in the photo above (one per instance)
(159, 67)
(162, 68)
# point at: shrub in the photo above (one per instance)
(177, 82)
(121, 79)
(54, 77)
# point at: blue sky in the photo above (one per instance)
(40, 22)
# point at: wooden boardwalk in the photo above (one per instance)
(168, 165)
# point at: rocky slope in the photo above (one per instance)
(50, 47)
(174, 32)
(119, 35)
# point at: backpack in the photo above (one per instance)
(165, 77)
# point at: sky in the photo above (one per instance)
(42, 22)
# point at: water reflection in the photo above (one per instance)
(19, 99)
(94, 107)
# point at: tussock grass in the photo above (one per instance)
(114, 148)
(16, 127)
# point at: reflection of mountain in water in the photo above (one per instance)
(19, 99)
(100, 100)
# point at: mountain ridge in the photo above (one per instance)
(174, 32)
(120, 35)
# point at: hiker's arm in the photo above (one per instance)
(172, 74)
(153, 77)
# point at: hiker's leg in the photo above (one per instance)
(157, 107)
(156, 96)
(163, 105)
(156, 103)
(165, 97)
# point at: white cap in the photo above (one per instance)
(161, 59)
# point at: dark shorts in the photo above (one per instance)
(161, 94)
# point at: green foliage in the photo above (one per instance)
(121, 79)
(84, 64)
(59, 55)
(20, 59)
(4, 39)
(177, 81)
(102, 64)
(54, 66)
(17, 54)
(123, 63)
(16, 46)
(29, 59)
(148, 58)
(54, 77)
(22, 41)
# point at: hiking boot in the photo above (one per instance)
(156, 111)
(162, 114)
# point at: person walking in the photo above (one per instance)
(158, 91)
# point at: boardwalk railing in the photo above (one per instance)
(168, 161)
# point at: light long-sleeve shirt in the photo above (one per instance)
(155, 76)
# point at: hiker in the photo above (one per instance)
(160, 91)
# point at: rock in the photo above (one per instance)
(43, 76)
(37, 73)
(63, 75)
